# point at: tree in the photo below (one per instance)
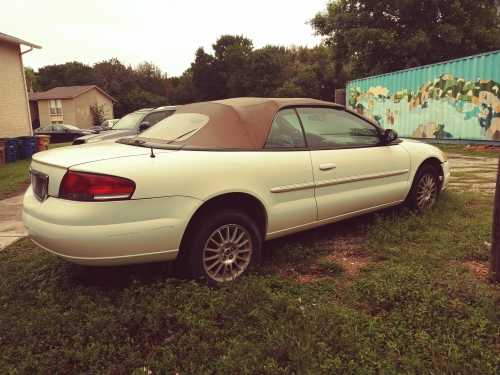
(181, 90)
(31, 79)
(133, 88)
(269, 68)
(372, 37)
(117, 80)
(150, 78)
(232, 60)
(206, 78)
(98, 114)
(315, 72)
(68, 74)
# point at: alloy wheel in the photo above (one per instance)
(426, 192)
(227, 252)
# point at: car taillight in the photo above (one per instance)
(80, 186)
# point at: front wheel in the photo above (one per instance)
(223, 247)
(425, 189)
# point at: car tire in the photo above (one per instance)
(425, 189)
(221, 247)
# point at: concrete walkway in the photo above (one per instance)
(473, 174)
(11, 226)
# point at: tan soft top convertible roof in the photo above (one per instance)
(240, 123)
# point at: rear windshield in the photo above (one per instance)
(178, 127)
(131, 121)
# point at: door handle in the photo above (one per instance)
(327, 166)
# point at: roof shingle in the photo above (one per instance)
(66, 92)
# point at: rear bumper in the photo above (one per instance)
(109, 233)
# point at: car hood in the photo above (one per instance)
(85, 153)
(107, 135)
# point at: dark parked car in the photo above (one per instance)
(129, 125)
(62, 132)
(105, 125)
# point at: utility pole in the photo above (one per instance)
(495, 233)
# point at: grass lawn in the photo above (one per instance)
(14, 176)
(385, 293)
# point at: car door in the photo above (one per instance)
(353, 171)
(286, 174)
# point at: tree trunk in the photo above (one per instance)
(495, 233)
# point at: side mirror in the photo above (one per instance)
(389, 136)
(143, 126)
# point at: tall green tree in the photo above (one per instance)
(117, 80)
(206, 77)
(181, 90)
(68, 74)
(232, 55)
(151, 78)
(133, 88)
(269, 67)
(370, 37)
(31, 79)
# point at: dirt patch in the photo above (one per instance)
(482, 148)
(479, 269)
(343, 258)
(351, 263)
(314, 273)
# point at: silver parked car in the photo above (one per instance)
(131, 124)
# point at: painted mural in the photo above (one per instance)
(445, 107)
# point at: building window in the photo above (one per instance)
(56, 107)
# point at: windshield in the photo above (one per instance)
(178, 127)
(71, 127)
(129, 122)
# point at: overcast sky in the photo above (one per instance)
(166, 33)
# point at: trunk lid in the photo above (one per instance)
(54, 163)
(69, 156)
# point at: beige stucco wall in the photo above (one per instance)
(83, 103)
(43, 111)
(68, 112)
(76, 111)
(14, 108)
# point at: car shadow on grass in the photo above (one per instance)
(118, 277)
(294, 255)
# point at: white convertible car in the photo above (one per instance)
(210, 183)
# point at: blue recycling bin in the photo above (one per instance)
(26, 147)
(10, 149)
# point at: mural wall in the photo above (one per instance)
(458, 99)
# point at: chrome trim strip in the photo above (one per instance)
(338, 181)
(295, 187)
(108, 197)
(347, 180)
